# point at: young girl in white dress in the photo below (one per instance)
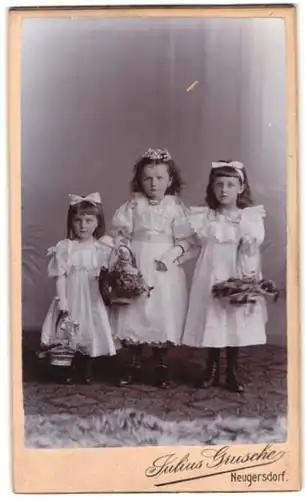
(149, 223)
(75, 263)
(230, 231)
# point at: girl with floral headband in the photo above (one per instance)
(75, 263)
(149, 224)
(230, 231)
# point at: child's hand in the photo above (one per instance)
(63, 305)
(169, 258)
(121, 251)
(124, 253)
(64, 313)
(160, 266)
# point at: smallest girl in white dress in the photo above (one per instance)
(230, 232)
(75, 263)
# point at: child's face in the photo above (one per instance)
(155, 180)
(226, 190)
(84, 225)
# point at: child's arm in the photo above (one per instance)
(183, 242)
(122, 238)
(58, 268)
(195, 227)
(61, 293)
(252, 229)
(252, 236)
(122, 225)
(173, 255)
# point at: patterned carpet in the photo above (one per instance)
(262, 369)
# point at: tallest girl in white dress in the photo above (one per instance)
(229, 231)
(150, 224)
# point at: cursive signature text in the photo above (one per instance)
(212, 460)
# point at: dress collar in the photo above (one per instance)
(154, 202)
(218, 216)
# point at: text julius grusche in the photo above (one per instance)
(173, 468)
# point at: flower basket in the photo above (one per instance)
(123, 283)
(65, 345)
(61, 356)
(245, 291)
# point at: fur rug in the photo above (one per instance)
(129, 427)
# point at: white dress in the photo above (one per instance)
(81, 262)
(211, 322)
(151, 230)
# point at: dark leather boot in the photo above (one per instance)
(83, 369)
(69, 377)
(160, 367)
(131, 372)
(232, 382)
(88, 370)
(211, 374)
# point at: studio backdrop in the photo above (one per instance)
(96, 93)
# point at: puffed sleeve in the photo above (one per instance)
(195, 227)
(252, 227)
(181, 227)
(122, 224)
(58, 259)
(252, 233)
(199, 221)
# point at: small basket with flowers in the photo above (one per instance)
(123, 282)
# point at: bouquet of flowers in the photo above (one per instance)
(240, 291)
(124, 281)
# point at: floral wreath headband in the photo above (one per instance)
(157, 155)
(237, 165)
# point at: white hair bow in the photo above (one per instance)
(237, 165)
(93, 198)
